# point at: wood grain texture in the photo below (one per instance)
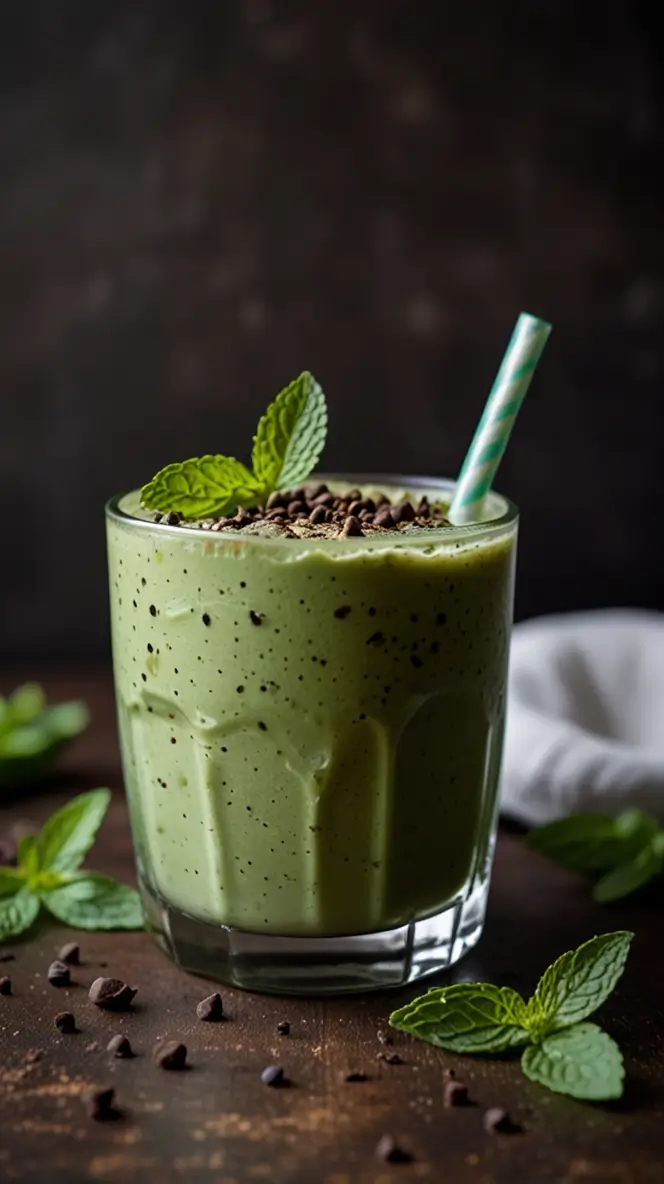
(218, 1122)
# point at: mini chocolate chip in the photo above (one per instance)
(298, 494)
(352, 527)
(120, 1047)
(416, 662)
(173, 518)
(366, 516)
(171, 1056)
(318, 514)
(384, 519)
(283, 1028)
(441, 618)
(111, 994)
(324, 499)
(99, 1103)
(275, 501)
(355, 1075)
(497, 1121)
(153, 610)
(71, 954)
(355, 507)
(256, 618)
(273, 1075)
(455, 1094)
(389, 1151)
(403, 512)
(65, 1022)
(58, 974)
(297, 507)
(5, 985)
(342, 612)
(156, 517)
(423, 508)
(206, 618)
(276, 514)
(211, 1008)
(376, 638)
(353, 495)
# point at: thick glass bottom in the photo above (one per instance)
(318, 966)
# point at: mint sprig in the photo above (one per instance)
(288, 443)
(49, 875)
(32, 733)
(621, 854)
(564, 1053)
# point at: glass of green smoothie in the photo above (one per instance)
(311, 700)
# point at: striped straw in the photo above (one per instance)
(502, 406)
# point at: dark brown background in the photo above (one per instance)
(200, 199)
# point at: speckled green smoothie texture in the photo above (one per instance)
(311, 731)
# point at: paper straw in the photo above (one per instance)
(502, 406)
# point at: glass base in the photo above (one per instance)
(313, 965)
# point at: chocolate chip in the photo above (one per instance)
(5, 985)
(205, 618)
(171, 1056)
(278, 513)
(173, 518)
(99, 1104)
(283, 1028)
(211, 1009)
(455, 1094)
(416, 662)
(441, 618)
(384, 519)
(296, 508)
(315, 491)
(120, 1047)
(423, 508)
(403, 512)
(71, 954)
(256, 618)
(389, 1151)
(58, 974)
(153, 610)
(355, 507)
(275, 501)
(111, 994)
(318, 514)
(366, 516)
(65, 1022)
(353, 495)
(497, 1121)
(324, 499)
(352, 527)
(356, 1075)
(298, 494)
(273, 1075)
(376, 638)
(342, 613)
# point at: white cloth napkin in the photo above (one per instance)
(585, 717)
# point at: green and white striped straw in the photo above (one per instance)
(502, 406)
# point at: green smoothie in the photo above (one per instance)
(311, 728)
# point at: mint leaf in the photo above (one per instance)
(26, 702)
(582, 1061)
(593, 842)
(68, 835)
(28, 855)
(291, 435)
(31, 734)
(201, 487)
(96, 902)
(11, 880)
(629, 876)
(466, 1017)
(17, 913)
(577, 983)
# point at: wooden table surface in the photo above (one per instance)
(218, 1122)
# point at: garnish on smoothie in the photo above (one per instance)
(563, 1052)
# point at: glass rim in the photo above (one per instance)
(489, 526)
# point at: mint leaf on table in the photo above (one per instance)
(67, 836)
(47, 875)
(582, 1061)
(599, 844)
(564, 1054)
(578, 982)
(466, 1017)
(288, 443)
(32, 734)
(627, 877)
(201, 487)
(291, 435)
(92, 901)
